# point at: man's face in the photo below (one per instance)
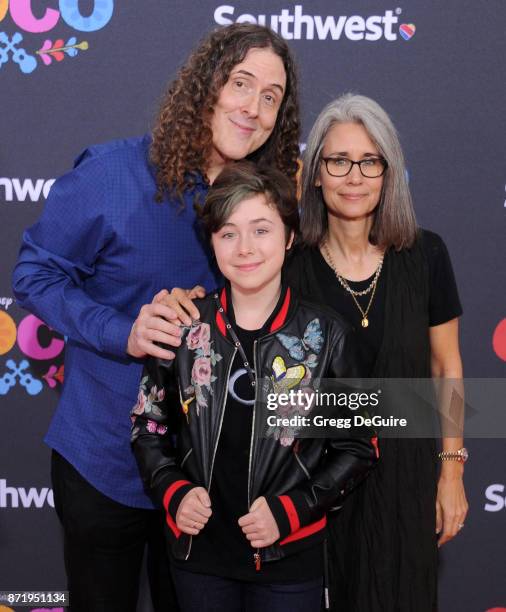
(246, 111)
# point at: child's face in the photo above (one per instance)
(250, 248)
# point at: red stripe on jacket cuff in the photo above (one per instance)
(172, 525)
(169, 493)
(291, 512)
(175, 486)
(305, 531)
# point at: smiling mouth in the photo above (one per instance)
(248, 267)
(353, 196)
(246, 129)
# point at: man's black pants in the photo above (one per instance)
(104, 544)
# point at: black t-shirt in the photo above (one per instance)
(444, 303)
(221, 548)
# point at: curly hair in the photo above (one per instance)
(182, 135)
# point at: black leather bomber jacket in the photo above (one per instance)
(301, 480)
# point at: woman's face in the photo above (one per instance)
(352, 196)
(246, 111)
(250, 247)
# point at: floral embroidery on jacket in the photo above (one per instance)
(154, 427)
(146, 401)
(147, 404)
(199, 340)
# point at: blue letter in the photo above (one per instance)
(100, 17)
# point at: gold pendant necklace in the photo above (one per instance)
(344, 284)
(364, 313)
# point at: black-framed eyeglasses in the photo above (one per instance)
(370, 167)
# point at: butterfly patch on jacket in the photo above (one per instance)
(312, 340)
(283, 378)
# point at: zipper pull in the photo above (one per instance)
(258, 560)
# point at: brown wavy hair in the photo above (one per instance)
(182, 135)
(243, 180)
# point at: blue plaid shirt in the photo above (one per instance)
(102, 248)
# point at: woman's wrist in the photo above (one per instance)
(452, 469)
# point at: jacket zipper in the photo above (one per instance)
(189, 548)
(217, 439)
(302, 466)
(252, 424)
(257, 559)
(221, 419)
(186, 457)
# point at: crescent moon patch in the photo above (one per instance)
(231, 387)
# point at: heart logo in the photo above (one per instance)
(407, 30)
(499, 344)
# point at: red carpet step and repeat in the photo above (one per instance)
(73, 73)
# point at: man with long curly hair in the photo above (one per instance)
(117, 230)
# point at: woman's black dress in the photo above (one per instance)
(382, 544)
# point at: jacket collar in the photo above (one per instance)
(276, 319)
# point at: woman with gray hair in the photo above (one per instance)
(364, 256)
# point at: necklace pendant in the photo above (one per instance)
(365, 322)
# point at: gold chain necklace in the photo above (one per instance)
(344, 284)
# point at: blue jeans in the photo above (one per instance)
(205, 593)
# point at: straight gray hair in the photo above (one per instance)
(394, 223)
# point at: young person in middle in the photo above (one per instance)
(245, 513)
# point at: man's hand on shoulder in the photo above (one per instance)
(156, 322)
